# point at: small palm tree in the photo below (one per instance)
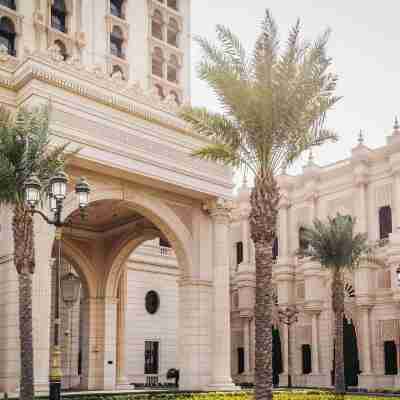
(336, 246)
(274, 104)
(24, 151)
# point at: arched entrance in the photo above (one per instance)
(351, 357)
(277, 365)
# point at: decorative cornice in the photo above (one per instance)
(219, 209)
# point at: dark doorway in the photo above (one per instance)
(351, 359)
(277, 367)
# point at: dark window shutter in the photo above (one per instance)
(306, 358)
(303, 243)
(239, 252)
(240, 352)
(390, 350)
(385, 222)
(151, 357)
(275, 249)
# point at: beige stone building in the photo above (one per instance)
(165, 263)
(367, 186)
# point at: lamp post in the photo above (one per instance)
(288, 316)
(58, 192)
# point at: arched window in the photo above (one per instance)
(160, 91)
(116, 40)
(173, 31)
(116, 8)
(117, 70)
(8, 4)
(7, 35)
(157, 25)
(62, 48)
(59, 15)
(176, 97)
(275, 249)
(158, 62)
(172, 70)
(173, 4)
(385, 222)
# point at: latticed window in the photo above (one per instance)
(173, 4)
(116, 8)
(157, 25)
(172, 70)
(116, 40)
(8, 4)
(172, 32)
(151, 357)
(7, 35)
(385, 222)
(158, 62)
(62, 48)
(59, 15)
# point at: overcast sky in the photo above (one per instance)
(365, 47)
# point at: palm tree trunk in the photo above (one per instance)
(264, 200)
(338, 309)
(24, 262)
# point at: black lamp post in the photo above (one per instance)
(288, 316)
(56, 197)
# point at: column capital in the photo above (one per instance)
(219, 209)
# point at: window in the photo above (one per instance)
(239, 252)
(158, 63)
(8, 4)
(116, 40)
(303, 242)
(7, 35)
(117, 70)
(62, 48)
(172, 33)
(385, 222)
(151, 357)
(173, 4)
(240, 353)
(164, 243)
(116, 8)
(390, 351)
(157, 25)
(275, 249)
(160, 91)
(172, 70)
(306, 358)
(59, 16)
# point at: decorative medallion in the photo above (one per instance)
(152, 301)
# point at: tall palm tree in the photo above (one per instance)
(24, 151)
(274, 104)
(337, 247)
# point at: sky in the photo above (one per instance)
(364, 45)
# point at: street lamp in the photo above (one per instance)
(57, 194)
(288, 316)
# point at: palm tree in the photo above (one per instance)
(25, 151)
(335, 245)
(274, 104)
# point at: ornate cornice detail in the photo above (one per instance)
(87, 82)
(219, 209)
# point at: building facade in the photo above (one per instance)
(366, 186)
(114, 73)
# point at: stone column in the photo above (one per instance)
(221, 360)
(122, 381)
(315, 342)
(246, 345)
(366, 342)
(362, 225)
(283, 231)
